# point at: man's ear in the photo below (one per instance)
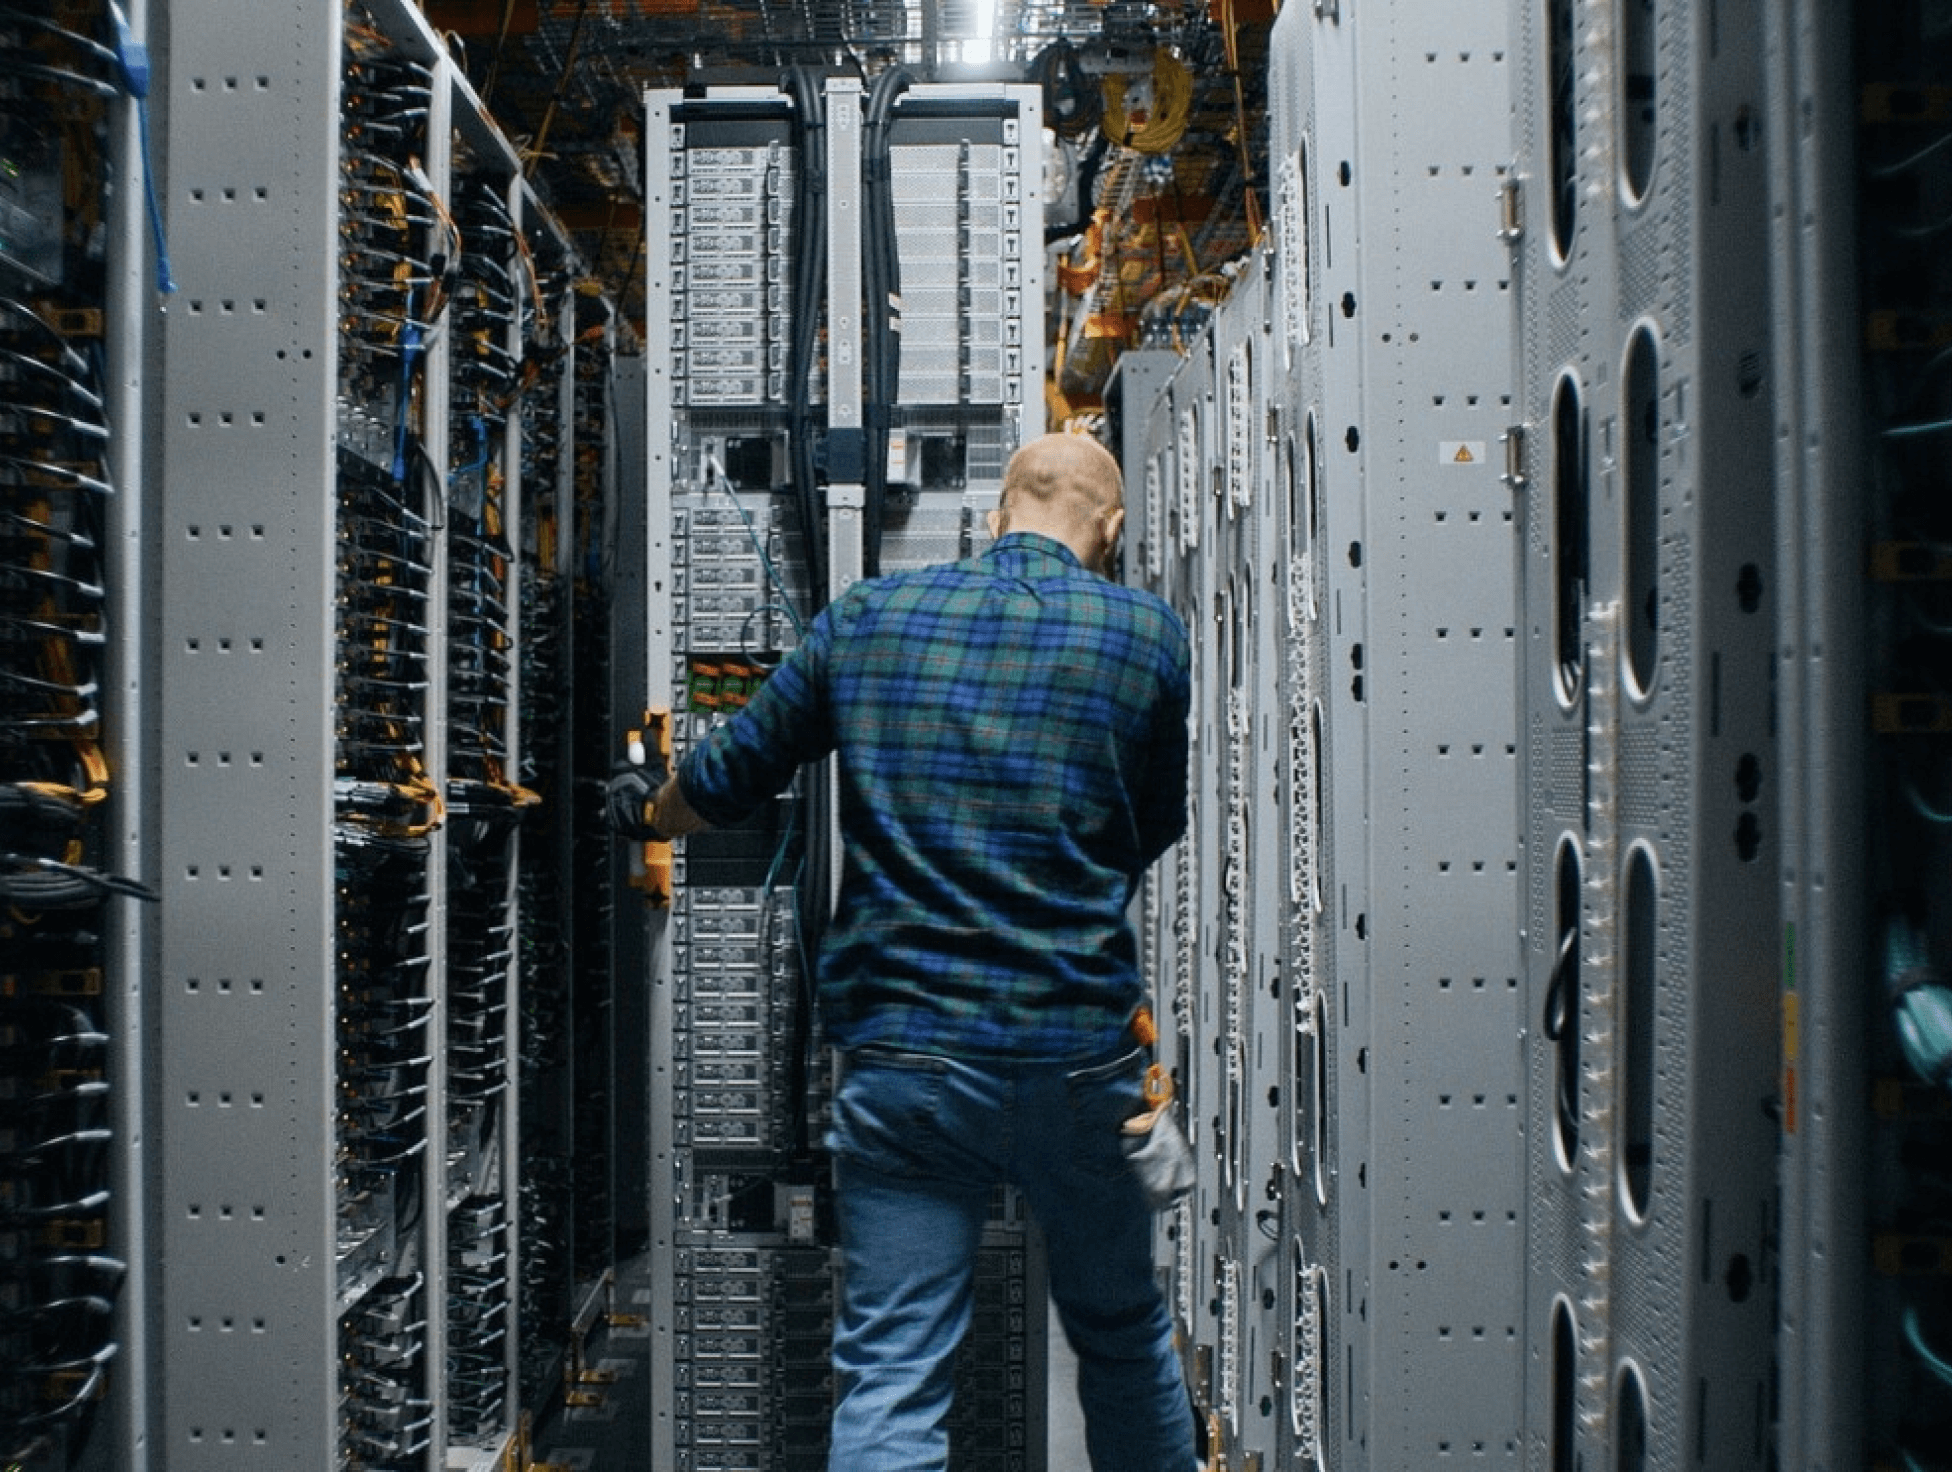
(1114, 527)
(993, 518)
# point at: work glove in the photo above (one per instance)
(632, 787)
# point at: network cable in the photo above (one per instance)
(399, 259)
(58, 1288)
(1073, 103)
(1561, 1026)
(1921, 1002)
(543, 1290)
(716, 479)
(881, 281)
(809, 275)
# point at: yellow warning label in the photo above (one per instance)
(1462, 452)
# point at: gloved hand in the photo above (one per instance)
(630, 792)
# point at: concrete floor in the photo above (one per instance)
(1066, 1420)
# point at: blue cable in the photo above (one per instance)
(132, 61)
(718, 478)
(1914, 431)
(1915, 1337)
(1922, 806)
(409, 350)
(1925, 1032)
(1921, 1003)
(480, 428)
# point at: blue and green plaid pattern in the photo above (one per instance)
(1012, 750)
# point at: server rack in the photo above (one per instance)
(1391, 322)
(1823, 747)
(356, 1004)
(547, 439)
(1651, 971)
(779, 472)
(1706, 1045)
(77, 277)
(1305, 143)
(1865, 1010)
(279, 744)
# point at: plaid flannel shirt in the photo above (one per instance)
(1012, 739)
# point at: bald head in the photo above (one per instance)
(1064, 486)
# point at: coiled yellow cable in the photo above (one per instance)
(1162, 125)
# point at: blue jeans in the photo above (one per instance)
(919, 1144)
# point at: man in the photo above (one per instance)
(1011, 741)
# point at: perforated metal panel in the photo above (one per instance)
(1652, 1185)
(247, 1317)
(337, 1210)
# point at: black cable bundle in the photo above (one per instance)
(398, 245)
(58, 1018)
(544, 903)
(39, 818)
(809, 288)
(1904, 178)
(57, 1289)
(591, 1204)
(385, 572)
(388, 1414)
(480, 959)
(54, 481)
(400, 264)
(479, 639)
(881, 281)
(1074, 103)
(386, 1052)
(485, 371)
(478, 1287)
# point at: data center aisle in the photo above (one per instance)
(613, 1433)
(612, 1428)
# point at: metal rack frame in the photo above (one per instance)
(240, 555)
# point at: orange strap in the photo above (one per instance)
(1158, 1083)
